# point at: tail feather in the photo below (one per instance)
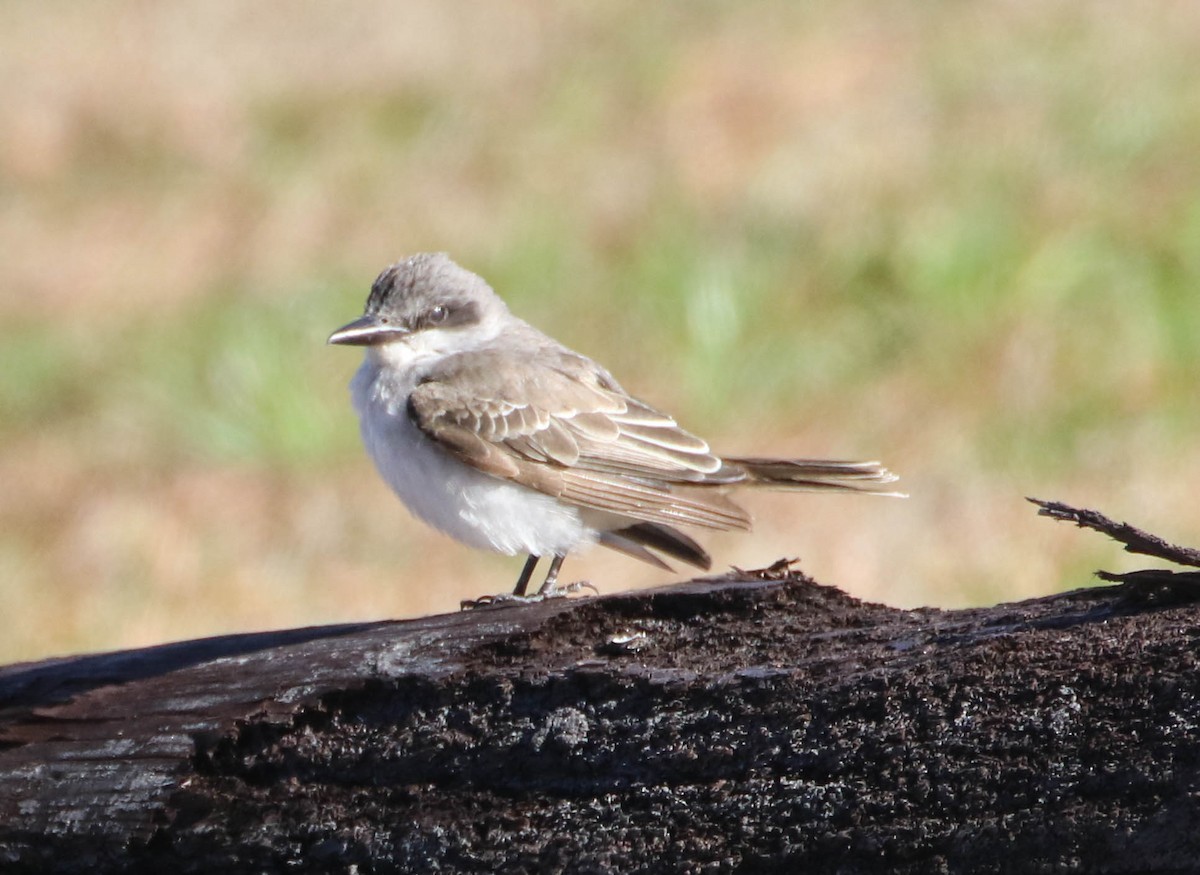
(645, 539)
(819, 475)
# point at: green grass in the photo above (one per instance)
(238, 378)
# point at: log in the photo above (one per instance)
(755, 721)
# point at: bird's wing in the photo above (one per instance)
(556, 422)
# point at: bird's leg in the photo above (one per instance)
(548, 590)
(526, 573)
(551, 581)
(518, 594)
(551, 589)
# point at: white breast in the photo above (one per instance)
(475, 508)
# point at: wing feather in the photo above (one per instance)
(563, 426)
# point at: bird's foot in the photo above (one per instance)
(556, 591)
(562, 590)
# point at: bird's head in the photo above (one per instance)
(425, 306)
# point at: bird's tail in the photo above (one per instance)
(817, 475)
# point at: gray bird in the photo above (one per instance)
(506, 440)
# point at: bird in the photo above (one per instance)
(506, 440)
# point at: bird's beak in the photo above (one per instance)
(367, 331)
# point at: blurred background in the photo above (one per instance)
(961, 238)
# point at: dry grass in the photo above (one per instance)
(965, 239)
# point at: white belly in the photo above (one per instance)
(475, 508)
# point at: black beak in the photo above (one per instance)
(367, 331)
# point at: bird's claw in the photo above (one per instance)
(557, 591)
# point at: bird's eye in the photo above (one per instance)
(437, 315)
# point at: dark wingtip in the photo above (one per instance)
(672, 542)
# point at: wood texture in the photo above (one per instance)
(735, 723)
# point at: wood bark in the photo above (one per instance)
(752, 722)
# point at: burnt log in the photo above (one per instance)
(756, 722)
